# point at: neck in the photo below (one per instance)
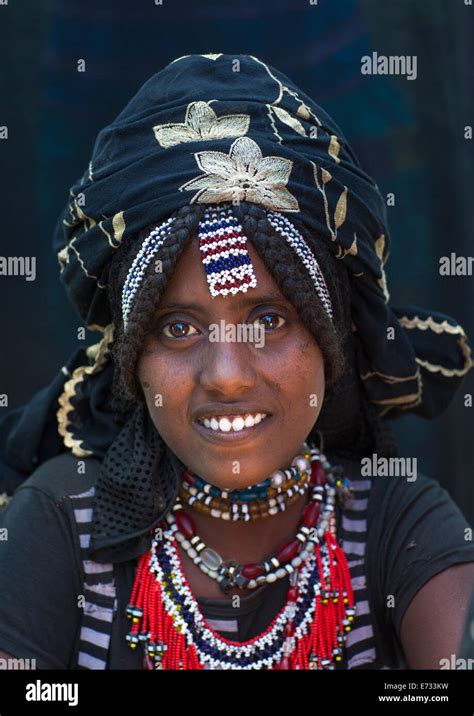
(250, 541)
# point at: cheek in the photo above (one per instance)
(306, 383)
(165, 388)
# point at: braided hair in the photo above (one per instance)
(346, 420)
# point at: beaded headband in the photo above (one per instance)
(224, 255)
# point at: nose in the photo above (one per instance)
(228, 369)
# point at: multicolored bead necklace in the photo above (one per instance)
(267, 498)
(309, 631)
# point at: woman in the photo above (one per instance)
(197, 493)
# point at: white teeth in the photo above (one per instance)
(225, 425)
(237, 424)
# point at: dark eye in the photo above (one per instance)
(270, 321)
(178, 329)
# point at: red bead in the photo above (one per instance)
(311, 514)
(317, 474)
(185, 524)
(288, 551)
(289, 629)
(293, 594)
(284, 663)
(252, 571)
(187, 477)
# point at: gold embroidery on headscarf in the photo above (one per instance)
(400, 400)
(243, 175)
(303, 108)
(443, 327)
(452, 372)
(118, 225)
(342, 253)
(379, 250)
(87, 220)
(334, 148)
(96, 327)
(201, 123)
(4, 499)
(289, 120)
(63, 258)
(209, 56)
(341, 209)
(403, 402)
(98, 353)
(303, 111)
(341, 206)
(273, 125)
(388, 378)
(104, 231)
(424, 324)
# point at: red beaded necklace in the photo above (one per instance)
(308, 633)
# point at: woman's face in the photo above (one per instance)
(229, 359)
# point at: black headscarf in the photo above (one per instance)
(209, 129)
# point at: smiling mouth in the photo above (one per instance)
(232, 423)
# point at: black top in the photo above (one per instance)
(414, 531)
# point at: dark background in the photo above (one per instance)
(409, 135)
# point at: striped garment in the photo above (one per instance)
(101, 602)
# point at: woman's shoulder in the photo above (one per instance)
(395, 486)
(41, 567)
(63, 476)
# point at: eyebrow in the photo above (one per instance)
(250, 301)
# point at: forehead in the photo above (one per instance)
(189, 280)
